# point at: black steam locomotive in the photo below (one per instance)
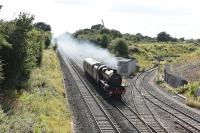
(107, 78)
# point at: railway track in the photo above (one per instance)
(181, 115)
(137, 123)
(144, 111)
(97, 111)
(141, 115)
(132, 117)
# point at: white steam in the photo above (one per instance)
(84, 49)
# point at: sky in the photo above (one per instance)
(179, 18)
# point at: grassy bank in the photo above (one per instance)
(148, 54)
(40, 108)
(179, 55)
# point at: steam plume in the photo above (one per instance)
(84, 49)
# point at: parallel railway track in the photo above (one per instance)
(180, 114)
(140, 114)
(138, 124)
(98, 113)
(145, 112)
(134, 119)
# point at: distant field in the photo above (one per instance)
(41, 109)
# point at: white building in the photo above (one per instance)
(126, 67)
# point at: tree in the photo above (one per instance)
(21, 46)
(104, 41)
(163, 37)
(43, 26)
(139, 36)
(182, 39)
(116, 34)
(21, 57)
(47, 39)
(4, 47)
(119, 47)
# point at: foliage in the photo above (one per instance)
(148, 54)
(97, 27)
(18, 60)
(42, 108)
(25, 49)
(3, 44)
(47, 39)
(119, 47)
(1, 73)
(139, 36)
(145, 49)
(163, 37)
(193, 102)
(46, 31)
(104, 41)
(43, 26)
(115, 34)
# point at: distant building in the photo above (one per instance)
(126, 67)
(98, 27)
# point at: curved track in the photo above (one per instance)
(144, 111)
(181, 115)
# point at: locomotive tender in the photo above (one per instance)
(106, 77)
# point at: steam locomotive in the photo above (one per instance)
(107, 78)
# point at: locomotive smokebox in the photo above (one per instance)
(126, 67)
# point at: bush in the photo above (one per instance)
(1, 73)
(163, 37)
(47, 39)
(23, 51)
(104, 41)
(119, 47)
(43, 26)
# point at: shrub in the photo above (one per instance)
(119, 47)
(104, 41)
(24, 49)
(163, 37)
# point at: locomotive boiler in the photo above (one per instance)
(107, 78)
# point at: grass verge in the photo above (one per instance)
(40, 108)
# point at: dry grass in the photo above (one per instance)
(172, 53)
(193, 102)
(43, 107)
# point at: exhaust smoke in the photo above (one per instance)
(84, 49)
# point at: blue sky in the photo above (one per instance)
(180, 18)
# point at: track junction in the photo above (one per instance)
(142, 108)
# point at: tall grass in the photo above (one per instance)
(42, 107)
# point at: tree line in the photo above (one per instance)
(21, 46)
(118, 43)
